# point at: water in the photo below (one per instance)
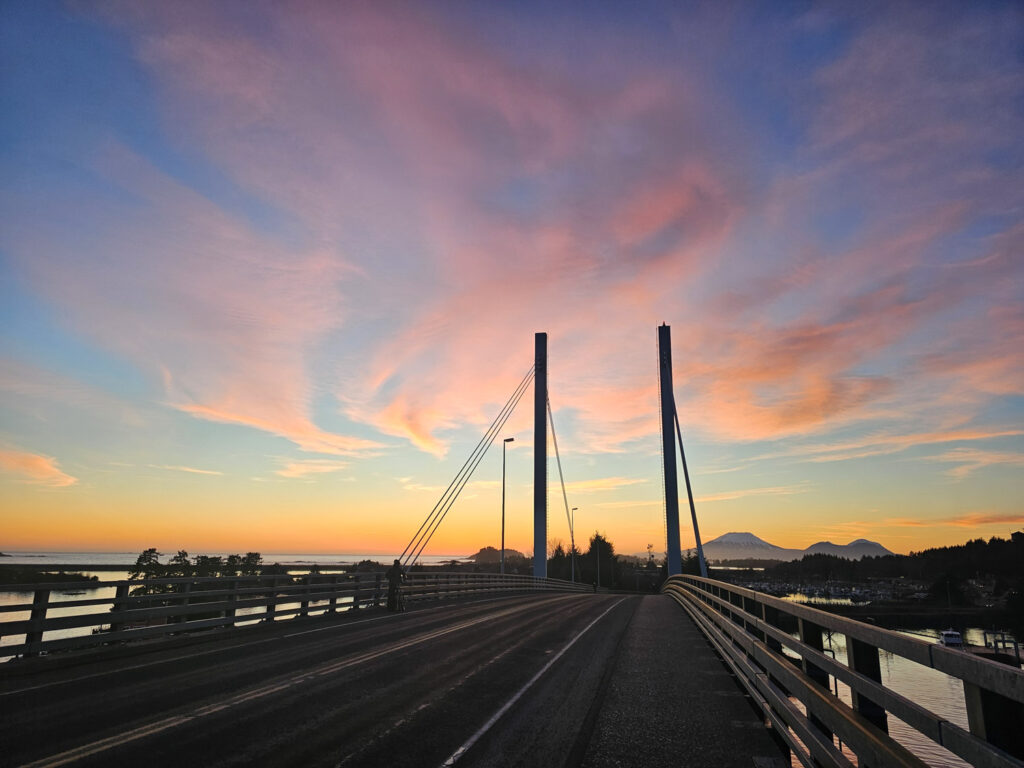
(44, 560)
(296, 563)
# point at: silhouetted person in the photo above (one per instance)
(395, 578)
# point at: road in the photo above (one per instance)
(516, 681)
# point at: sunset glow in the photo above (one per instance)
(268, 270)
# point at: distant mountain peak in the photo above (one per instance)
(734, 537)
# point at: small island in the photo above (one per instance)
(24, 574)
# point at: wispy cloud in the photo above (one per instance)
(35, 468)
(601, 484)
(410, 484)
(306, 467)
(631, 504)
(881, 445)
(972, 459)
(193, 470)
(779, 490)
(974, 519)
(966, 520)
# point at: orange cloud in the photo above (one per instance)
(975, 519)
(967, 520)
(306, 467)
(35, 468)
(294, 427)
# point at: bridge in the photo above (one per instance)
(483, 669)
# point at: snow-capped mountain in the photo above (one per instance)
(742, 546)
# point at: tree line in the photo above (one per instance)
(597, 565)
(148, 566)
(1001, 559)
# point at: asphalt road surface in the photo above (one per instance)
(552, 680)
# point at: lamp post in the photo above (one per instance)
(503, 446)
(572, 543)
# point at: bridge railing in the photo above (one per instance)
(145, 608)
(776, 649)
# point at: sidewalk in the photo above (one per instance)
(671, 701)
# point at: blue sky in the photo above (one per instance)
(268, 273)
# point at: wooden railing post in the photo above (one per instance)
(304, 604)
(272, 604)
(863, 659)
(995, 718)
(750, 606)
(119, 606)
(333, 605)
(770, 615)
(186, 590)
(376, 590)
(229, 613)
(40, 602)
(810, 634)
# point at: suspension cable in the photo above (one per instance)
(689, 493)
(426, 530)
(434, 511)
(496, 428)
(568, 517)
(558, 459)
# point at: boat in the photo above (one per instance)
(951, 638)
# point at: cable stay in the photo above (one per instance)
(429, 526)
(689, 493)
(568, 519)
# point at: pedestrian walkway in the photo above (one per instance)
(671, 701)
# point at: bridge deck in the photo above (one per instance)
(596, 680)
(671, 695)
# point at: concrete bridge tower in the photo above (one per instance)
(540, 456)
(668, 449)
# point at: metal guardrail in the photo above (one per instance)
(750, 631)
(172, 606)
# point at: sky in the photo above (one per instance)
(269, 270)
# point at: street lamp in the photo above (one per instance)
(572, 543)
(503, 446)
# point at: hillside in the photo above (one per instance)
(492, 555)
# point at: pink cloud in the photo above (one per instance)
(224, 318)
(418, 133)
(35, 468)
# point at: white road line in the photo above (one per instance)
(454, 757)
(86, 750)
